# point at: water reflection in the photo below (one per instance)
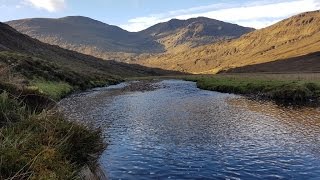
(178, 131)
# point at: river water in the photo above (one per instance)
(172, 130)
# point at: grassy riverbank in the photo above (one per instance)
(293, 89)
(43, 145)
(36, 141)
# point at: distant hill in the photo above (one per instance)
(292, 37)
(20, 48)
(98, 39)
(193, 32)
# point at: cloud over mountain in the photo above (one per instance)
(49, 5)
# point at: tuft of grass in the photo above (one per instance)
(10, 110)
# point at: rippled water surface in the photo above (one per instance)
(177, 131)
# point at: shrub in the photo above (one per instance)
(292, 92)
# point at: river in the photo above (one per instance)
(170, 129)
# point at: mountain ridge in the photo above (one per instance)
(92, 37)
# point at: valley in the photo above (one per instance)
(34, 76)
(198, 45)
(184, 98)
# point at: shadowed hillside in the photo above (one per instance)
(14, 45)
(296, 36)
(301, 64)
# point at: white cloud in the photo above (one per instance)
(256, 14)
(49, 5)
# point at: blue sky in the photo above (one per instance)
(135, 15)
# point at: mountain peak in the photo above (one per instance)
(194, 32)
(79, 19)
(75, 17)
(202, 18)
(175, 24)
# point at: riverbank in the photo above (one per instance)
(36, 140)
(287, 89)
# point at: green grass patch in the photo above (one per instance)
(295, 91)
(55, 90)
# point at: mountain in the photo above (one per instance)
(184, 34)
(292, 37)
(86, 36)
(98, 39)
(19, 51)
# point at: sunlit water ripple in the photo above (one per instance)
(181, 132)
